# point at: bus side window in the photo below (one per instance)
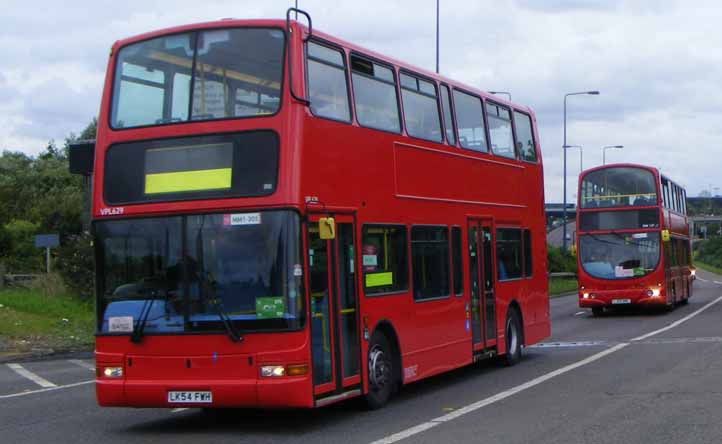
(383, 258)
(508, 253)
(524, 137)
(456, 258)
(527, 254)
(470, 122)
(375, 99)
(448, 119)
(430, 262)
(500, 134)
(327, 85)
(421, 108)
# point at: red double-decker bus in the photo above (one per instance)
(284, 219)
(633, 244)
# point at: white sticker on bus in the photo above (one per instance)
(370, 260)
(120, 324)
(639, 235)
(242, 219)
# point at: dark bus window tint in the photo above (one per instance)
(527, 254)
(421, 109)
(508, 253)
(383, 258)
(456, 257)
(470, 121)
(430, 262)
(619, 220)
(500, 135)
(327, 88)
(524, 137)
(448, 120)
(375, 95)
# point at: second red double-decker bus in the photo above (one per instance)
(284, 219)
(633, 243)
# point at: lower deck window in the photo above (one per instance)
(508, 253)
(430, 262)
(383, 258)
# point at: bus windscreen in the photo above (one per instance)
(618, 187)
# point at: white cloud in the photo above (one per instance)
(656, 63)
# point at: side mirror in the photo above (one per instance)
(327, 228)
(81, 156)
(665, 235)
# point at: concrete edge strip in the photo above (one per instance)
(49, 389)
(25, 373)
(529, 384)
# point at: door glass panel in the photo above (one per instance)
(474, 285)
(489, 304)
(320, 310)
(347, 298)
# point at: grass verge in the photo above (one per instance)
(708, 267)
(31, 321)
(559, 286)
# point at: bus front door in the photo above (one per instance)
(481, 283)
(335, 346)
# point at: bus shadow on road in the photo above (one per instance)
(347, 415)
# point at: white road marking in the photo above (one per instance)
(702, 280)
(82, 363)
(717, 282)
(492, 399)
(529, 384)
(49, 389)
(25, 373)
(677, 322)
(579, 313)
(181, 409)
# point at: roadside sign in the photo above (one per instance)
(47, 240)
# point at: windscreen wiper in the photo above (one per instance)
(227, 322)
(137, 334)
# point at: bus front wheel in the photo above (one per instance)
(513, 338)
(597, 311)
(381, 372)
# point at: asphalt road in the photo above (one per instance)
(635, 377)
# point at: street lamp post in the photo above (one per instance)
(501, 92)
(604, 151)
(581, 155)
(564, 209)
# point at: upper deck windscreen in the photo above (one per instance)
(202, 75)
(618, 187)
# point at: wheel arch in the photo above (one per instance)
(387, 329)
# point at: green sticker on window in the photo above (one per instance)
(639, 271)
(379, 279)
(268, 308)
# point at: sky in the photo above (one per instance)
(656, 63)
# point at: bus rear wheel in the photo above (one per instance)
(381, 372)
(513, 338)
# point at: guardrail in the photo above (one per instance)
(18, 280)
(563, 274)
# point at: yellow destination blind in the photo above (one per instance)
(192, 168)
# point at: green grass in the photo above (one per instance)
(559, 286)
(31, 320)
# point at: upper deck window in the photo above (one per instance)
(502, 139)
(470, 121)
(448, 120)
(213, 74)
(524, 137)
(375, 99)
(618, 187)
(421, 108)
(327, 86)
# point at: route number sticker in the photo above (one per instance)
(242, 219)
(120, 324)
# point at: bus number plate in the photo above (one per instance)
(621, 301)
(190, 397)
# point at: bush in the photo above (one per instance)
(19, 253)
(561, 261)
(710, 251)
(74, 262)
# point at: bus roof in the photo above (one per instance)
(276, 23)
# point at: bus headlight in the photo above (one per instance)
(693, 272)
(113, 372)
(273, 371)
(653, 292)
(585, 295)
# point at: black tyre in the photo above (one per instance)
(514, 338)
(382, 383)
(597, 311)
